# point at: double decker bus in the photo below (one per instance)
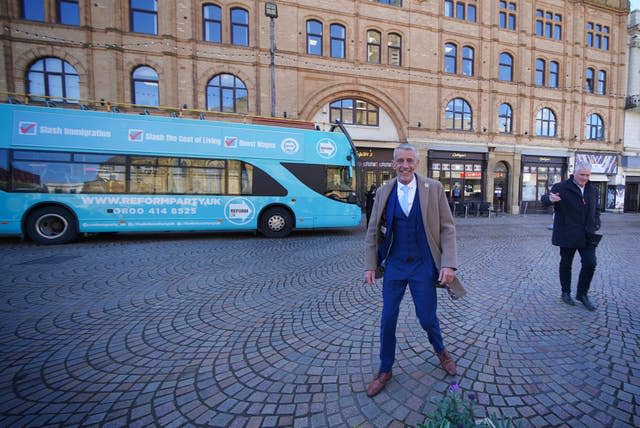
(65, 172)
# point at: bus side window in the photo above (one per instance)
(4, 170)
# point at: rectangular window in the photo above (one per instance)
(548, 25)
(33, 10)
(448, 8)
(68, 12)
(144, 16)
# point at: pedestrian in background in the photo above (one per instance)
(575, 222)
(369, 197)
(411, 233)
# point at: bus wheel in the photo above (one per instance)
(51, 225)
(276, 223)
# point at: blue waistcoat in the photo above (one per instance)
(409, 249)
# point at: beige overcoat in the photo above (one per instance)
(438, 224)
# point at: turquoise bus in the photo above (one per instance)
(65, 172)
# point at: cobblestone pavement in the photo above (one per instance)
(237, 330)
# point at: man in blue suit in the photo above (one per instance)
(412, 234)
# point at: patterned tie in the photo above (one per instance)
(404, 198)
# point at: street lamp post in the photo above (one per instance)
(271, 10)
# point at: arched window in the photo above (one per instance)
(541, 67)
(373, 46)
(546, 123)
(450, 58)
(505, 67)
(602, 82)
(458, 115)
(314, 37)
(468, 54)
(145, 87)
(354, 111)
(505, 119)
(239, 27)
(554, 73)
(338, 41)
(394, 49)
(212, 23)
(144, 16)
(53, 78)
(589, 80)
(594, 128)
(227, 93)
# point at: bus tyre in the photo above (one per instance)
(276, 223)
(52, 225)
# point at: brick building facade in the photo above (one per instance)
(499, 96)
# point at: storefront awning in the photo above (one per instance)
(598, 177)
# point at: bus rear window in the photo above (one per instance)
(4, 170)
(333, 181)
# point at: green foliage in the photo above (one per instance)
(454, 411)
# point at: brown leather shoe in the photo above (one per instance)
(447, 362)
(378, 383)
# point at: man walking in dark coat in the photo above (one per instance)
(575, 222)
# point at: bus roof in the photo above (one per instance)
(47, 128)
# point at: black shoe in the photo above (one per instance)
(586, 302)
(566, 297)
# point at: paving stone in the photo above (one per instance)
(236, 330)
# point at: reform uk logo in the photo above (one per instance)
(239, 211)
(27, 128)
(136, 135)
(327, 148)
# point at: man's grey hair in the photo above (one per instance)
(405, 146)
(582, 165)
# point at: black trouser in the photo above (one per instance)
(588, 260)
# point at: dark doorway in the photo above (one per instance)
(631, 197)
(500, 187)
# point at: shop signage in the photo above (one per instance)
(601, 163)
(439, 154)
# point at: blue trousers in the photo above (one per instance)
(425, 301)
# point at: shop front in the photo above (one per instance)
(538, 174)
(376, 168)
(631, 165)
(604, 167)
(463, 176)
